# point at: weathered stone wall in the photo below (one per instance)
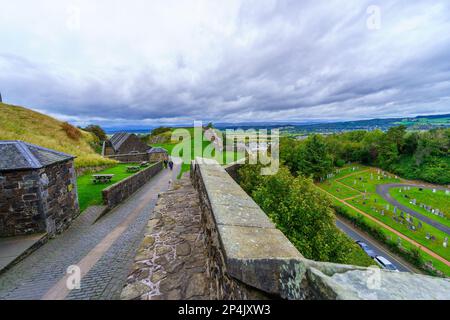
(160, 156)
(249, 258)
(20, 203)
(131, 157)
(43, 200)
(117, 193)
(85, 170)
(60, 196)
(239, 234)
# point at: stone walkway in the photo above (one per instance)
(171, 262)
(107, 259)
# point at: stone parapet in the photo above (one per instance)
(248, 257)
(130, 157)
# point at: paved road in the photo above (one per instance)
(383, 191)
(357, 235)
(104, 249)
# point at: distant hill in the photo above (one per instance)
(19, 123)
(413, 123)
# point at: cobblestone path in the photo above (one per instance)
(171, 262)
(109, 258)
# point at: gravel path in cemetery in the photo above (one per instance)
(383, 191)
(103, 250)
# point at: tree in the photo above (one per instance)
(160, 130)
(97, 131)
(289, 151)
(304, 215)
(250, 177)
(314, 158)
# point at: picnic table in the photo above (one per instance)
(102, 178)
(144, 164)
(133, 168)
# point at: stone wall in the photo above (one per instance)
(158, 156)
(42, 200)
(20, 203)
(86, 170)
(131, 157)
(249, 258)
(117, 193)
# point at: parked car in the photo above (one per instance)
(366, 249)
(385, 263)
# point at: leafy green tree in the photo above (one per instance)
(160, 130)
(97, 131)
(304, 215)
(314, 158)
(250, 177)
(289, 153)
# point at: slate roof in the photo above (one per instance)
(157, 150)
(118, 139)
(19, 155)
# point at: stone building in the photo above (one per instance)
(124, 143)
(158, 154)
(38, 190)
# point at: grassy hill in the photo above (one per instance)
(18, 123)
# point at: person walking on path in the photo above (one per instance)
(165, 163)
(171, 165)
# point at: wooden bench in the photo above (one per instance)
(133, 169)
(102, 178)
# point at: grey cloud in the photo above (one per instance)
(302, 60)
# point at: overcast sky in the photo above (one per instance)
(151, 62)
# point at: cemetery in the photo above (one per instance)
(356, 186)
(434, 204)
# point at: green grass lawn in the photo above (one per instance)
(348, 169)
(367, 181)
(438, 200)
(338, 190)
(91, 194)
